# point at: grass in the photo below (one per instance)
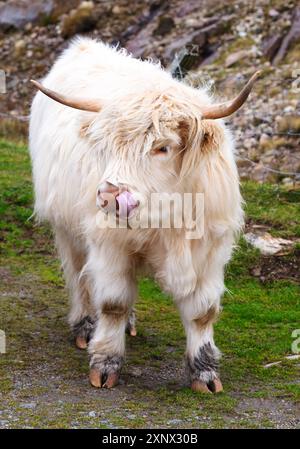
(43, 378)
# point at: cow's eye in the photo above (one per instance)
(163, 150)
(160, 150)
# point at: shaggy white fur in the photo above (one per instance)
(141, 109)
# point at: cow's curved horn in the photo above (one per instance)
(77, 103)
(229, 107)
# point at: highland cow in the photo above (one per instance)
(118, 131)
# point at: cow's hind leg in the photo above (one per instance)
(82, 331)
(81, 316)
(202, 355)
(131, 324)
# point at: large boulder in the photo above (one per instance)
(17, 13)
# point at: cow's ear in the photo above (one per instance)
(206, 134)
(212, 135)
(199, 138)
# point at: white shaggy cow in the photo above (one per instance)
(121, 129)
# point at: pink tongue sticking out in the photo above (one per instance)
(126, 203)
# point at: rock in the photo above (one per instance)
(288, 182)
(174, 422)
(264, 140)
(23, 294)
(17, 13)
(188, 7)
(259, 172)
(268, 245)
(289, 123)
(242, 163)
(136, 372)
(79, 20)
(28, 26)
(131, 416)
(273, 13)
(254, 153)
(235, 57)
(191, 22)
(249, 143)
(20, 46)
(28, 405)
(4, 423)
(116, 10)
(139, 36)
(165, 25)
(256, 271)
(288, 109)
(270, 45)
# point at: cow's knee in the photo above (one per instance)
(206, 318)
(116, 312)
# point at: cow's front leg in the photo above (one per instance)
(107, 347)
(114, 291)
(202, 355)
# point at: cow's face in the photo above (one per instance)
(151, 149)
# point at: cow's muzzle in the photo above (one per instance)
(115, 199)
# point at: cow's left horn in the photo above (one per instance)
(77, 103)
(229, 107)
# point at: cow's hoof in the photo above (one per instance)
(98, 380)
(214, 386)
(105, 370)
(81, 342)
(200, 387)
(132, 331)
(130, 328)
(83, 331)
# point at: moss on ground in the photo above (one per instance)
(43, 378)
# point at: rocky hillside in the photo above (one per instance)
(206, 42)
